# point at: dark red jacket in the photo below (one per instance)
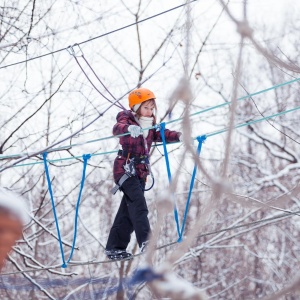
(136, 146)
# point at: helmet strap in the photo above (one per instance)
(136, 107)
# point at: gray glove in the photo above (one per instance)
(135, 131)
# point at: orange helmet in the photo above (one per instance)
(140, 95)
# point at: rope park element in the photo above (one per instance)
(200, 140)
(180, 231)
(85, 157)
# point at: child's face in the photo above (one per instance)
(147, 109)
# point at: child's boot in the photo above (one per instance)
(118, 254)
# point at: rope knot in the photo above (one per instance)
(201, 138)
(86, 156)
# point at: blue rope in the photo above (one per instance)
(200, 140)
(162, 134)
(85, 157)
(53, 207)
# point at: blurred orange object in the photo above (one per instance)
(13, 215)
(10, 232)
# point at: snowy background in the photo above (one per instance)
(194, 57)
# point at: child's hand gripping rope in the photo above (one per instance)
(135, 130)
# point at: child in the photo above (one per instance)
(132, 161)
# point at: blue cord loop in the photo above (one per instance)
(162, 134)
(200, 140)
(53, 207)
(85, 157)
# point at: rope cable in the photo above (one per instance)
(168, 122)
(72, 52)
(207, 135)
(100, 36)
(239, 99)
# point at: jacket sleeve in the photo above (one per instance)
(171, 136)
(122, 123)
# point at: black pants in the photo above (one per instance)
(131, 216)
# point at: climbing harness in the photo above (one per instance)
(129, 168)
(85, 157)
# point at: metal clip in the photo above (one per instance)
(130, 168)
